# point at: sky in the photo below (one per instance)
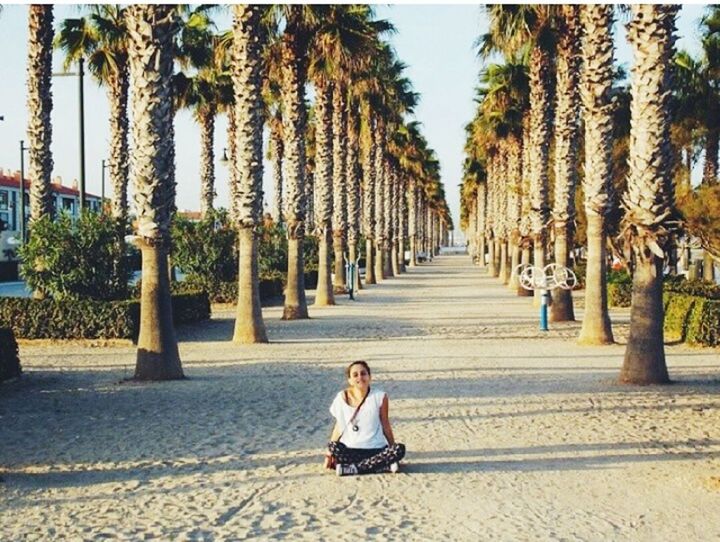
(435, 41)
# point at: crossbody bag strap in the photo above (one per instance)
(352, 418)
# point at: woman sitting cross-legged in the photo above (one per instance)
(362, 440)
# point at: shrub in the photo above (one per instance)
(580, 271)
(619, 294)
(272, 248)
(205, 251)
(9, 361)
(74, 259)
(90, 319)
(677, 311)
(698, 288)
(703, 326)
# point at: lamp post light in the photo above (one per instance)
(23, 148)
(105, 165)
(81, 99)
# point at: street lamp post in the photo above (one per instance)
(81, 76)
(102, 186)
(23, 148)
(81, 99)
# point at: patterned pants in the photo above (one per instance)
(367, 460)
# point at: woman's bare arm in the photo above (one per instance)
(334, 435)
(385, 420)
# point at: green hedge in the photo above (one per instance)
(677, 312)
(703, 326)
(693, 319)
(90, 319)
(9, 361)
(698, 288)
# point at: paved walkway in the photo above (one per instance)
(512, 434)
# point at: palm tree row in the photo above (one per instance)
(505, 192)
(369, 170)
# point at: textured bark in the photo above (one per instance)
(232, 157)
(597, 49)
(276, 152)
(540, 133)
(644, 361)
(339, 152)
(353, 187)
(394, 222)
(368, 196)
(648, 199)
(412, 221)
(388, 182)
(249, 324)
(481, 205)
(324, 190)
(117, 90)
(380, 181)
(247, 83)
(157, 355)
(293, 71)
(207, 160)
(402, 223)
(150, 31)
(39, 105)
(567, 136)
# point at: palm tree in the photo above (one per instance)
(567, 135)
(39, 103)
(649, 197)
(323, 185)
(102, 38)
(301, 23)
(247, 82)
(353, 184)
(513, 28)
(597, 51)
(150, 31)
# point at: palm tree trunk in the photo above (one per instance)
(380, 182)
(596, 328)
(368, 192)
(353, 188)
(540, 108)
(525, 259)
(232, 157)
(324, 294)
(503, 271)
(294, 121)
(150, 28)
(276, 150)
(597, 50)
(207, 160)
(249, 325)
(40, 104)
(395, 223)
(645, 353)
(157, 355)
(413, 222)
(324, 190)
(119, 165)
(492, 262)
(649, 199)
(561, 309)
(247, 82)
(339, 163)
(388, 183)
(370, 262)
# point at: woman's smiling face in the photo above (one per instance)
(359, 377)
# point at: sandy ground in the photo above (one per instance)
(512, 434)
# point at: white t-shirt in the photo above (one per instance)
(370, 433)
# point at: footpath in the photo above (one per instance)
(512, 433)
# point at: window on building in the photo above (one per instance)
(3, 200)
(4, 221)
(68, 205)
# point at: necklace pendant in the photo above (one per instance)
(355, 428)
